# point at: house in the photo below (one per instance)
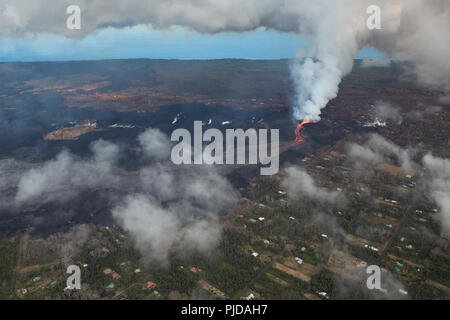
(111, 286)
(115, 276)
(255, 254)
(137, 271)
(194, 269)
(36, 279)
(299, 261)
(149, 285)
(261, 205)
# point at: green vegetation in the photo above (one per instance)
(9, 249)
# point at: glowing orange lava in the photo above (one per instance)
(298, 136)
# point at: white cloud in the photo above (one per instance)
(385, 111)
(155, 144)
(439, 185)
(299, 184)
(63, 178)
(189, 221)
(169, 209)
(378, 150)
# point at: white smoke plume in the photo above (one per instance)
(411, 30)
(339, 32)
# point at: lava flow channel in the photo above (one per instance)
(298, 136)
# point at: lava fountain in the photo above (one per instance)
(298, 136)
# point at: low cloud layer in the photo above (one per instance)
(439, 185)
(299, 184)
(167, 209)
(385, 111)
(155, 144)
(187, 221)
(434, 179)
(379, 150)
(65, 176)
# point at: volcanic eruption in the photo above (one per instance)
(298, 136)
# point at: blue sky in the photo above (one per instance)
(144, 42)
